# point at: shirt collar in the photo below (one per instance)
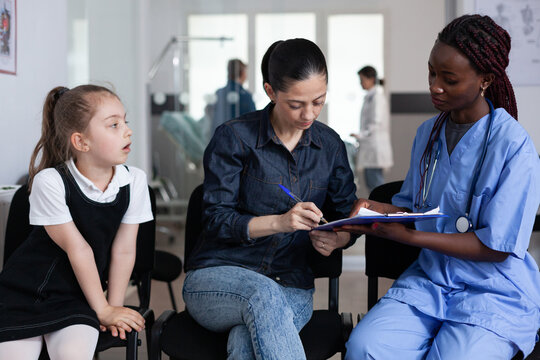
(267, 133)
(120, 178)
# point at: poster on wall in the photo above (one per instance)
(8, 36)
(521, 18)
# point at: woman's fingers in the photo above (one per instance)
(324, 241)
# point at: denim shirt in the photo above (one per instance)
(244, 163)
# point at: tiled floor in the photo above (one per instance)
(353, 287)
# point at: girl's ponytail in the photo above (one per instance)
(48, 143)
(65, 112)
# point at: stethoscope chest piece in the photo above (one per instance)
(463, 224)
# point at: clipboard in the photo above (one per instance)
(384, 218)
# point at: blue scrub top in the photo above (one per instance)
(503, 297)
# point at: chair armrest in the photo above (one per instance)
(346, 325)
(157, 330)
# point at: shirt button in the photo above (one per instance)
(278, 278)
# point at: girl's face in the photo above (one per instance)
(453, 83)
(301, 104)
(108, 138)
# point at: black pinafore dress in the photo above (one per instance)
(39, 292)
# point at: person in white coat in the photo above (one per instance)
(374, 148)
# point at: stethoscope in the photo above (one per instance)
(464, 222)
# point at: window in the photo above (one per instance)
(354, 41)
(270, 28)
(208, 59)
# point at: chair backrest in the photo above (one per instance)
(387, 258)
(18, 229)
(194, 225)
(18, 223)
(144, 261)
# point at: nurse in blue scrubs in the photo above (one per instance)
(474, 292)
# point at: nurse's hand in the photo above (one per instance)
(379, 207)
(393, 231)
(302, 216)
(326, 241)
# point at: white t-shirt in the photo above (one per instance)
(48, 196)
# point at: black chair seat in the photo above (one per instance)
(322, 336)
(167, 266)
(107, 341)
(183, 338)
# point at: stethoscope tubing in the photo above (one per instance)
(427, 187)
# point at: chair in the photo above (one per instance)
(387, 258)
(170, 208)
(180, 337)
(18, 228)
(167, 268)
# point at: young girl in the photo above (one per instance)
(86, 208)
(474, 292)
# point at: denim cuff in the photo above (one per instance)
(241, 229)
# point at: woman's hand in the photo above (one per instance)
(302, 216)
(326, 241)
(119, 319)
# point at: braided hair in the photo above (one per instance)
(487, 46)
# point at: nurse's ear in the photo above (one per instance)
(487, 79)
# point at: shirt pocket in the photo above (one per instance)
(259, 193)
(317, 192)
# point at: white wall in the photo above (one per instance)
(118, 39)
(41, 65)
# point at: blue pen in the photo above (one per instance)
(297, 199)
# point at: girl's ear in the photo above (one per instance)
(270, 92)
(78, 142)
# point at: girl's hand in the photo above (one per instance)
(302, 216)
(326, 241)
(119, 319)
(116, 331)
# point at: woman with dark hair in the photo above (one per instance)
(374, 146)
(248, 273)
(474, 292)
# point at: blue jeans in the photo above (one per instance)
(392, 329)
(264, 318)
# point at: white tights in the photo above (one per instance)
(77, 342)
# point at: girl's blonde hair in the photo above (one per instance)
(65, 111)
